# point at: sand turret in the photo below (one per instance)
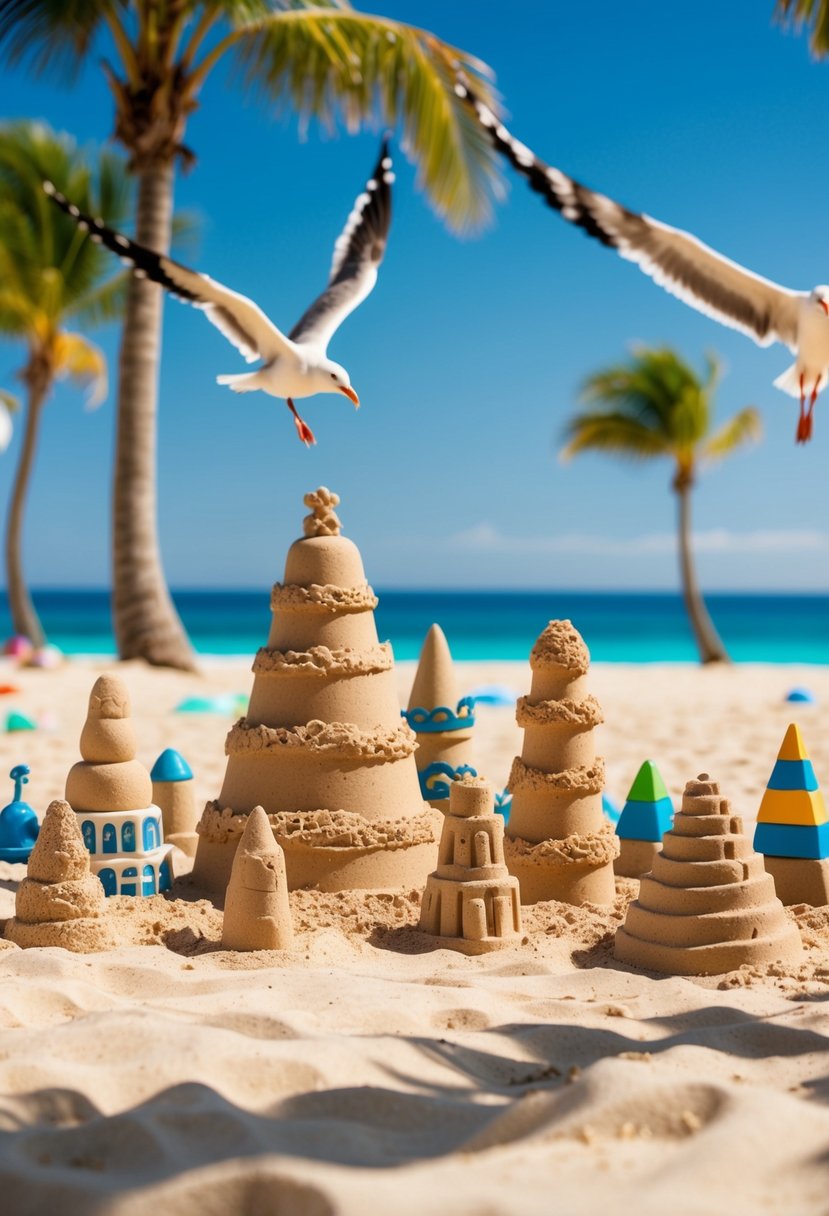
(257, 914)
(60, 902)
(559, 844)
(471, 903)
(442, 720)
(323, 749)
(708, 905)
(172, 780)
(111, 793)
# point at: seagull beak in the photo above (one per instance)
(824, 305)
(352, 396)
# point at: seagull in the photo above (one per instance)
(687, 268)
(297, 365)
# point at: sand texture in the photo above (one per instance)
(363, 1071)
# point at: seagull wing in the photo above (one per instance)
(358, 253)
(676, 260)
(240, 320)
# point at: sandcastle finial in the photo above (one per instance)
(323, 520)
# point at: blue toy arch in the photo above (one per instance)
(90, 836)
(165, 880)
(148, 884)
(151, 834)
(129, 880)
(128, 837)
(108, 880)
(109, 839)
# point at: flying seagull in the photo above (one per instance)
(297, 365)
(677, 261)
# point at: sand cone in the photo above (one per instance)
(322, 747)
(559, 844)
(471, 903)
(172, 780)
(793, 828)
(646, 816)
(441, 720)
(111, 793)
(257, 913)
(60, 902)
(708, 906)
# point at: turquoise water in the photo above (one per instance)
(632, 627)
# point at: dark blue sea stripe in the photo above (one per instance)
(793, 775)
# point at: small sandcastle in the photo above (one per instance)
(559, 844)
(646, 817)
(471, 903)
(60, 902)
(322, 748)
(257, 914)
(708, 905)
(172, 780)
(111, 793)
(442, 720)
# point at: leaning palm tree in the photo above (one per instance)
(655, 405)
(51, 276)
(325, 59)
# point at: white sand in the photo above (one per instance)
(361, 1074)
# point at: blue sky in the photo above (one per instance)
(469, 354)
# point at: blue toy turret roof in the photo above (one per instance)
(171, 766)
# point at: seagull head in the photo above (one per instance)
(820, 295)
(332, 378)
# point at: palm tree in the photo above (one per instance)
(328, 61)
(50, 275)
(812, 13)
(655, 405)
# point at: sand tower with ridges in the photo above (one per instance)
(708, 905)
(559, 844)
(322, 748)
(442, 720)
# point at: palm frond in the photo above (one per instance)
(658, 389)
(51, 33)
(811, 14)
(334, 63)
(744, 427)
(613, 431)
(85, 363)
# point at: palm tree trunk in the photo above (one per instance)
(147, 625)
(709, 644)
(25, 620)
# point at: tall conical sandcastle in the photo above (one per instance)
(111, 793)
(257, 914)
(60, 902)
(471, 903)
(646, 817)
(708, 905)
(442, 721)
(793, 828)
(559, 844)
(323, 749)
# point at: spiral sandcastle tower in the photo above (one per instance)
(708, 905)
(442, 720)
(559, 845)
(323, 749)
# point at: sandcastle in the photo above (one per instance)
(471, 903)
(708, 905)
(559, 844)
(442, 721)
(793, 828)
(60, 902)
(257, 914)
(323, 749)
(111, 793)
(172, 780)
(645, 818)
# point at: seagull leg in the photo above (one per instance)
(302, 428)
(807, 423)
(801, 422)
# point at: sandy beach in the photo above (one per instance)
(363, 1071)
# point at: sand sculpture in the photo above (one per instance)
(646, 817)
(442, 721)
(111, 793)
(60, 902)
(172, 780)
(471, 903)
(708, 905)
(323, 749)
(559, 844)
(257, 914)
(793, 827)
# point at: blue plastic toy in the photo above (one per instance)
(801, 695)
(442, 718)
(503, 804)
(493, 694)
(171, 766)
(437, 777)
(610, 809)
(18, 822)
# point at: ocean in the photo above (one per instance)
(618, 627)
